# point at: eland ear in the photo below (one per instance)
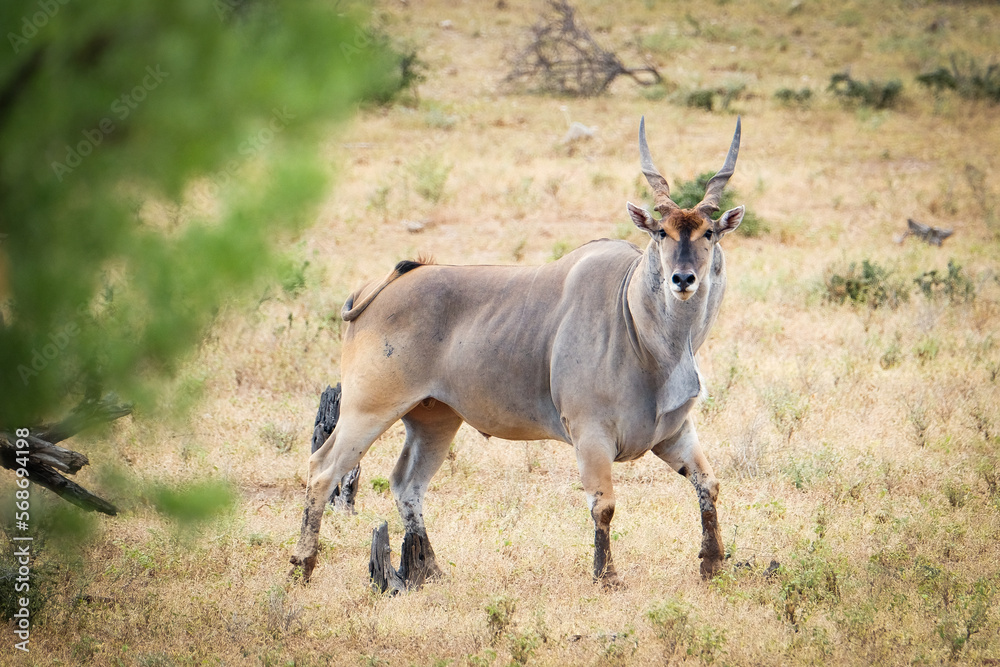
(642, 219)
(730, 220)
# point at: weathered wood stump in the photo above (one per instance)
(384, 577)
(343, 495)
(414, 569)
(46, 460)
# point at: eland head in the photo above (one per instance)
(686, 237)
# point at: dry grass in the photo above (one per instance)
(857, 446)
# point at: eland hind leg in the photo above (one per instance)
(683, 453)
(342, 451)
(430, 428)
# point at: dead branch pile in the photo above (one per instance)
(563, 58)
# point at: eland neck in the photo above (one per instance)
(666, 327)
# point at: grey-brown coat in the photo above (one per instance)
(596, 349)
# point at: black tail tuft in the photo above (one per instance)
(406, 266)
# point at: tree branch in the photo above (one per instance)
(45, 459)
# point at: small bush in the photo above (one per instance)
(893, 355)
(791, 97)
(955, 286)
(812, 580)
(967, 77)
(989, 470)
(430, 175)
(966, 616)
(499, 616)
(874, 94)
(560, 248)
(927, 349)
(717, 99)
(380, 484)
(957, 493)
(279, 436)
(868, 285)
(293, 277)
(523, 645)
(655, 93)
(280, 613)
(670, 619)
(409, 72)
(700, 99)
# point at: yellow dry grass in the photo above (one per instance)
(855, 446)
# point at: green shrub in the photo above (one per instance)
(670, 619)
(523, 645)
(874, 94)
(791, 97)
(499, 616)
(869, 285)
(281, 437)
(688, 193)
(560, 248)
(966, 615)
(380, 484)
(811, 580)
(700, 99)
(967, 77)
(717, 99)
(430, 174)
(955, 286)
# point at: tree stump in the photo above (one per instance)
(413, 562)
(384, 577)
(343, 495)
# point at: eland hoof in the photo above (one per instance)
(302, 567)
(710, 567)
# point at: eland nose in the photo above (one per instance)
(683, 280)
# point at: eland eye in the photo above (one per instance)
(708, 235)
(661, 234)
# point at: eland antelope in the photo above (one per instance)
(596, 349)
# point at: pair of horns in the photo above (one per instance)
(661, 191)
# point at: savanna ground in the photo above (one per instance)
(856, 442)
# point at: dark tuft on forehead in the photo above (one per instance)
(685, 221)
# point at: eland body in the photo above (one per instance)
(596, 349)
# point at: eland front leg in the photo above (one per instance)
(594, 462)
(683, 454)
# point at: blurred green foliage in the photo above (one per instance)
(194, 502)
(869, 284)
(967, 76)
(873, 94)
(155, 156)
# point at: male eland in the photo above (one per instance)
(596, 349)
